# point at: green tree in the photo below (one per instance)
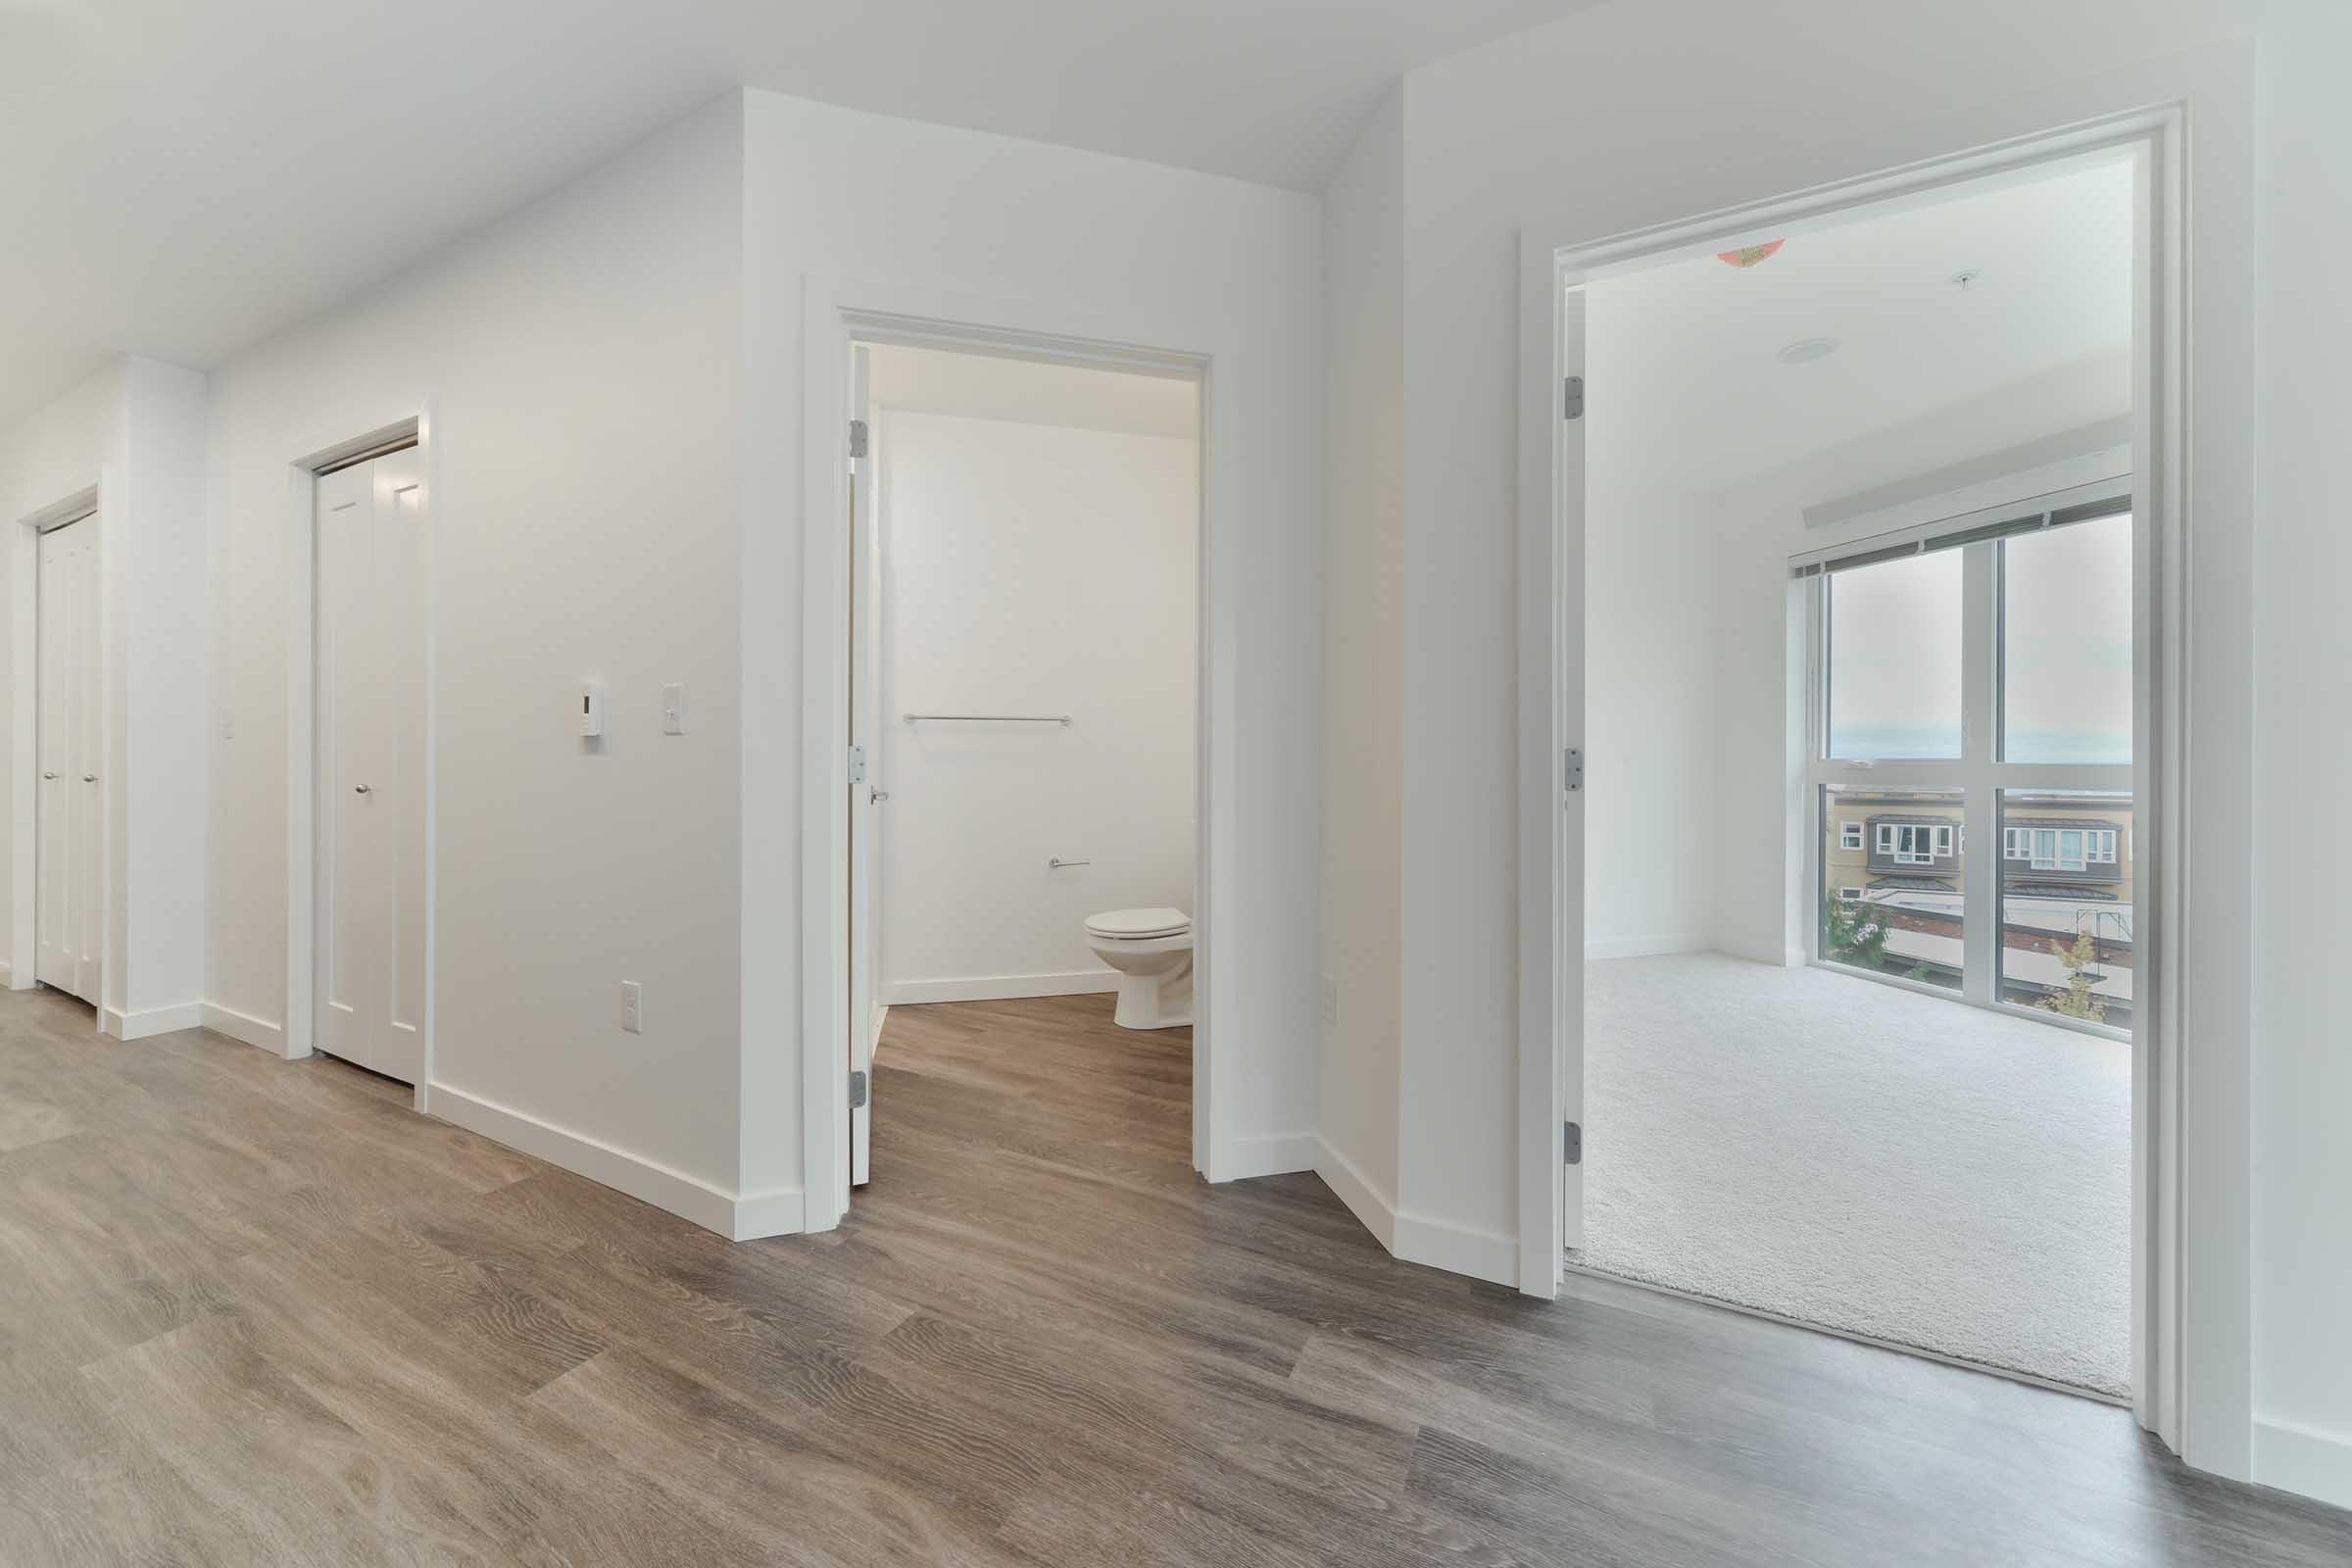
(1854, 931)
(2081, 958)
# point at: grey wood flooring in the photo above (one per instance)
(253, 1311)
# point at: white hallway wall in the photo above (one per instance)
(1789, 98)
(1031, 568)
(137, 430)
(1363, 302)
(853, 196)
(585, 354)
(597, 358)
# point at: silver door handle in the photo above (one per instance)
(48, 775)
(877, 797)
(363, 789)
(89, 778)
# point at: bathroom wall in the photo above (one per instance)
(1039, 539)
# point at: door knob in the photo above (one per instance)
(879, 796)
(363, 789)
(89, 778)
(48, 775)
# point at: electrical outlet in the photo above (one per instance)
(1330, 1000)
(632, 1008)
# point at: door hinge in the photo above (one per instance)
(1573, 769)
(857, 1091)
(858, 438)
(857, 765)
(1576, 1142)
(1572, 399)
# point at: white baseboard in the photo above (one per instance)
(149, 1020)
(739, 1218)
(1273, 1155)
(1647, 947)
(1457, 1248)
(1000, 987)
(2293, 1458)
(1365, 1201)
(244, 1026)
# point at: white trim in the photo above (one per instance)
(2296, 1458)
(1373, 1208)
(999, 987)
(1270, 1154)
(1649, 947)
(149, 1021)
(299, 532)
(738, 1218)
(2191, 1325)
(245, 1027)
(1457, 1248)
(835, 313)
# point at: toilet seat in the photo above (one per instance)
(1138, 925)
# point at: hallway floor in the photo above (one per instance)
(1838, 1152)
(258, 1312)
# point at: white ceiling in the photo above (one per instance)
(180, 180)
(1684, 358)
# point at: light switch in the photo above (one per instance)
(673, 709)
(632, 1007)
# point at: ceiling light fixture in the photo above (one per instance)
(1806, 350)
(1750, 255)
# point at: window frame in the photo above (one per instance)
(1981, 777)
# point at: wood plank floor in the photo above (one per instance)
(253, 1311)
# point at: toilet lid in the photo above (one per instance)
(1139, 923)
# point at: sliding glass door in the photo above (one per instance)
(1969, 750)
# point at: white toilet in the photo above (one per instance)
(1153, 951)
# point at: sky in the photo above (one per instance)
(1895, 641)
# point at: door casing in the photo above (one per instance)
(2191, 1346)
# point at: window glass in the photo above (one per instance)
(2066, 644)
(2066, 904)
(1894, 659)
(1890, 898)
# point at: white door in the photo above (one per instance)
(370, 765)
(1570, 891)
(866, 732)
(66, 874)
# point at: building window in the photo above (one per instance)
(1915, 843)
(2017, 844)
(1849, 835)
(1850, 895)
(2058, 849)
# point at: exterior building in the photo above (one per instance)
(1895, 860)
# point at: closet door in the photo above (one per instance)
(370, 734)
(350, 882)
(66, 876)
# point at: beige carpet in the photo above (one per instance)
(1855, 1155)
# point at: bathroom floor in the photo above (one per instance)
(1052, 1067)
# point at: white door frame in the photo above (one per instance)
(2191, 1179)
(301, 534)
(837, 313)
(25, 563)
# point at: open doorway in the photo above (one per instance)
(1023, 822)
(1864, 583)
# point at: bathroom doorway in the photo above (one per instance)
(1024, 688)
